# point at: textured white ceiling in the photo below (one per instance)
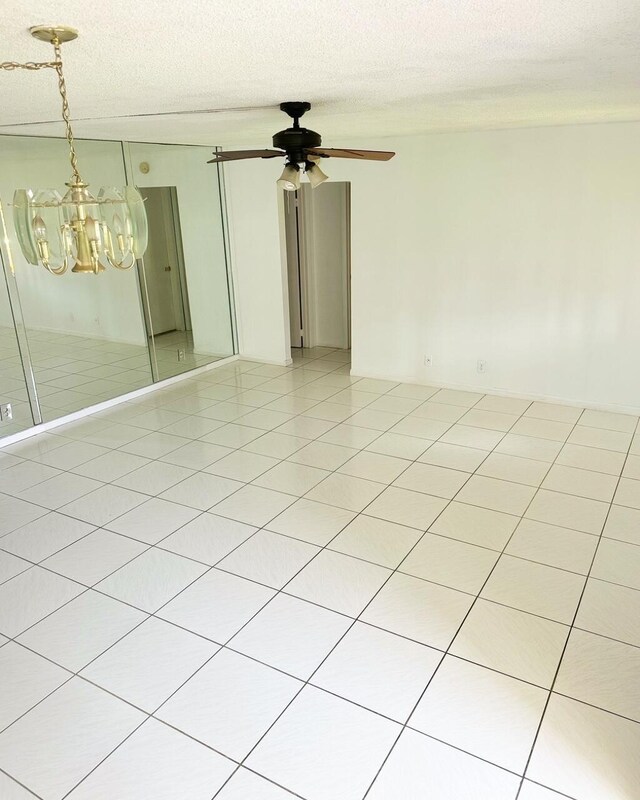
(369, 67)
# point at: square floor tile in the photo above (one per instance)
(468, 436)
(515, 444)
(556, 547)
(208, 538)
(10, 566)
(217, 605)
(276, 445)
(378, 670)
(150, 663)
(25, 679)
(576, 455)
(536, 588)
(533, 791)
(439, 411)
(159, 762)
(622, 524)
(375, 467)
(609, 420)
(398, 445)
(511, 641)
(415, 509)
(312, 522)
(580, 482)
(152, 579)
(610, 610)
(15, 512)
(376, 540)
(28, 474)
(76, 727)
(154, 445)
(482, 712)
(579, 513)
(244, 785)
(450, 562)
(196, 455)
(58, 491)
(514, 468)
(585, 752)
(104, 505)
(82, 629)
(323, 746)
(453, 456)
(154, 477)
(492, 420)
(269, 558)
(429, 613)
(350, 436)
(475, 525)
(617, 562)
(345, 491)
(30, 596)
(242, 466)
(45, 536)
(291, 478)
(291, 635)
(601, 672)
(553, 411)
(543, 428)
(420, 427)
(94, 557)
(497, 495)
(597, 437)
(201, 491)
(338, 582)
(323, 455)
(628, 493)
(437, 481)
(230, 703)
(153, 520)
(418, 761)
(254, 505)
(10, 790)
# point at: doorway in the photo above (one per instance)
(168, 299)
(318, 246)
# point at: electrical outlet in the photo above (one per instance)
(6, 412)
(181, 355)
(428, 361)
(482, 365)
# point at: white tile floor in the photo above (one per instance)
(265, 583)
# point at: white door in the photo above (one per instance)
(158, 263)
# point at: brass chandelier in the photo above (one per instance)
(76, 228)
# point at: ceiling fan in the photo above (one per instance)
(300, 146)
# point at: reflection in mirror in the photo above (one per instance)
(15, 409)
(184, 271)
(86, 333)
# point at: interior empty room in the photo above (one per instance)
(319, 401)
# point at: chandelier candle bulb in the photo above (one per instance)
(77, 228)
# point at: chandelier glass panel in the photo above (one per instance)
(76, 228)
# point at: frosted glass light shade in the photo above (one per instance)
(315, 174)
(79, 229)
(290, 178)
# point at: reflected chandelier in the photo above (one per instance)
(76, 228)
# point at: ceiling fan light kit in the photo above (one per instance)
(56, 230)
(300, 146)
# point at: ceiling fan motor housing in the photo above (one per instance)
(294, 141)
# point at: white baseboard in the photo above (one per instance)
(43, 427)
(275, 362)
(497, 392)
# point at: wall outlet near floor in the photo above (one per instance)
(482, 365)
(428, 361)
(181, 355)
(6, 412)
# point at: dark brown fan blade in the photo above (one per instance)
(235, 155)
(366, 155)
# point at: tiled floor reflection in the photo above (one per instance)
(275, 582)
(74, 372)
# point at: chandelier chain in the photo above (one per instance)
(32, 65)
(62, 86)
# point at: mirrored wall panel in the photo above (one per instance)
(91, 338)
(185, 276)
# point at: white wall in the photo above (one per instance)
(196, 184)
(105, 306)
(258, 256)
(517, 247)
